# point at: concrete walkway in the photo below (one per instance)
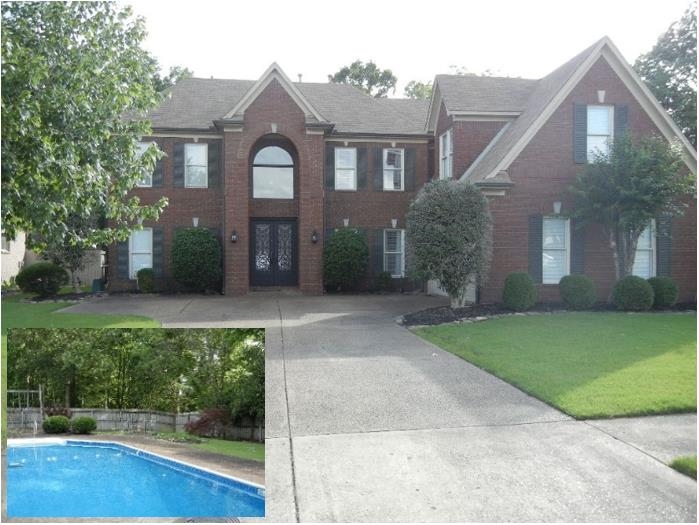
(367, 422)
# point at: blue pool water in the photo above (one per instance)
(89, 479)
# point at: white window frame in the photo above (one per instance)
(354, 169)
(402, 252)
(566, 249)
(446, 155)
(206, 165)
(652, 250)
(610, 112)
(393, 170)
(142, 147)
(132, 274)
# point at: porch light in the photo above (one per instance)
(557, 208)
(195, 221)
(345, 222)
(314, 237)
(234, 236)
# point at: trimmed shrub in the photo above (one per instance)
(146, 280)
(42, 278)
(632, 293)
(345, 260)
(665, 292)
(384, 282)
(212, 423)
(577, 292)
(519, 294)
(56, 425)
(196, 259)
(83, 425)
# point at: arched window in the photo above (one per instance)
(273, 174)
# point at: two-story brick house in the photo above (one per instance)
(273, 167)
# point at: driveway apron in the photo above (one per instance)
(367, 422)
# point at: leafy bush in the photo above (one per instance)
(10, 284)
(58, 411)
(384, 282)
(42, 278)
(83, 425)
(519, 294)
(665, 292)
(196, 259)
(345, 260)
(146, 280)
(56, 425)
(212, 423)
(632, 293)
(577, 292)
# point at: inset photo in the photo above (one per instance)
(135, 423)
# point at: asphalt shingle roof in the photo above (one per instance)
(473, 93)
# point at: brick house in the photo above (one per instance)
(273, 167)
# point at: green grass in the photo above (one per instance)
(236, 449)
(686, 465)
(589, 365)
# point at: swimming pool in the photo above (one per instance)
(95, 479)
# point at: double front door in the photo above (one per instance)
(273, 252)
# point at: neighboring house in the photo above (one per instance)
(12, 256)
(273, 167)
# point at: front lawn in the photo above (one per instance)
(686, 465)
(589, 365)
(236, 449)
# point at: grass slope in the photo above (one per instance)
(686, 465)
(589, 365)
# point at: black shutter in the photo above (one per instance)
(377, 255)
(178, 165)
(328, 234)
(123, 259)
(621, 120)
(378, 168)
(329, 167)
(362, 167)
(580, 133)
(214, 164)
(158, 253)
(577, 247)
(536, 239)
(410, 168)
(158, 173)
(663, 244)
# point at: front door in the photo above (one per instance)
(273, 252)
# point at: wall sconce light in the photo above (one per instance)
(600, 96)
(234, 236)
(394, 223)
(314, 237)
(557, 207)
(195, 221)
(345, 222)
(140, 221)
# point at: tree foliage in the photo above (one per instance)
(670, 71)
(71, 74)
(176, 73)
(367, 77)
(623, 191)
(450, 236)
(418, 90)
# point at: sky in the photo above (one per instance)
(416, 40)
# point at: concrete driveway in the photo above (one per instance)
(367, 422)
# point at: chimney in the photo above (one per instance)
(300, 77)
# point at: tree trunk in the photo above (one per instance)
(75, 281)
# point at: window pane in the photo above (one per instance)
(195, 155)
(392, 263)
(146, 180)
(553, 265)
(345, 179)
(555, 233)
(140, 261)
(597, 145)
(196, 176)
(645, 241)
(393, 241)
(141, 148)
(392, 158)
(598, 120)
(272, 183)
(642, 264)
(141, 241)
(345, 158)
(273, 155)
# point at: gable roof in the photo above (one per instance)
(545, 97)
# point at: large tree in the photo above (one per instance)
(450, 236)
(75, 92)
(637, 181)
(176, 73)
(367, 77)
(418, 90)
(670, 71)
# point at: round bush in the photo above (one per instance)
(665, 292)
(384, 282)
(632, 293)
(56, 425)
(519, 294)
(83, 425)
(42, 278)
(196, 259)
(146, 280)
(345, 260)
(577, 292)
